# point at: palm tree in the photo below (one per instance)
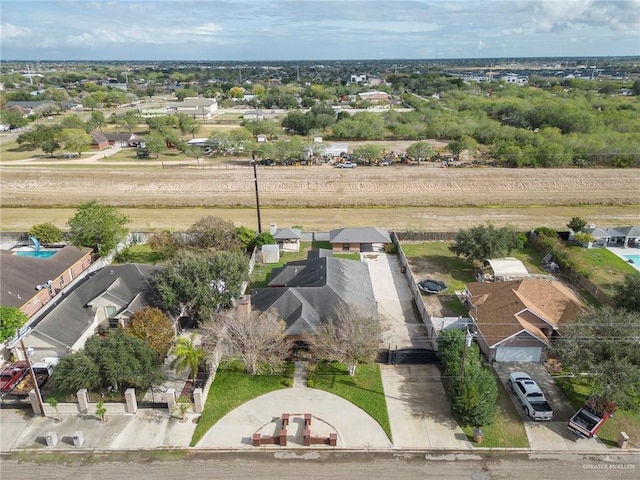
(187, 356)
(53, 402)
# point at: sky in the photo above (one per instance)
(261, 30)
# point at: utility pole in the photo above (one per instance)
(36, 387)
(255, 180)
(467, 343)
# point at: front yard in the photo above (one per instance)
(232, 387)
(577, 390)
(364, 389)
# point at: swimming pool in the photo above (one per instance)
(38, 254)
(635, 259)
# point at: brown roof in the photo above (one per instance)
(20, 275)
(502, 309)
(97, 138)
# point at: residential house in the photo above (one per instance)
(197, 107)
(29, 107)
(29, 283)
(106, 299)
(306, 293)
(98, 141)
(125, 140)
(359, 239)
(358, 79)
(615, 237)
(516, 320)
(514, 79)
(287, 238)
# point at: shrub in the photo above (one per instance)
(46, 232)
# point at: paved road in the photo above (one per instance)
(336, 465)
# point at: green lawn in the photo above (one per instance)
(139, 253)
(605, 268)
(577, 390)
(454, 271)
(262, 271)
(231, 388)
(364, 389)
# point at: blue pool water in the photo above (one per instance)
(635, 258)
(39, 254)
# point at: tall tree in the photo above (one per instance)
(11, 319)
(100, 227)
(486, 241)
(577, 224)
(474, 395)
(75, 139)
(628, 293)
(368, 154)
(155, 143)
(604, 344)
(213, 233)
(116, 360)
(187, 124)
(420, 150)
(351, 336)
(154, 327)
(188, 356)
(200, 283)
(259, 339)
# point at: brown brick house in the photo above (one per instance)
(516, 320)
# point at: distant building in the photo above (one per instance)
(358, 79)
(515, 79)
(197, 107)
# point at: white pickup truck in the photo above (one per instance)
(530, 396)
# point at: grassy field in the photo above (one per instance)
(231, 388)
(605, 268)
(436, 258)
(364, 389)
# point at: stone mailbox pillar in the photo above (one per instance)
(83, 400)
(130, 398)
(34, 402)
(171, 399)
(198, 400)
(623, 440)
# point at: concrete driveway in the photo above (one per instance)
(553, 435)
(419, 411)
(395, 302)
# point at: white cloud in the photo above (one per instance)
(481, 45)
(558, 15)
(9, 31)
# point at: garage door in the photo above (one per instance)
(518, 354)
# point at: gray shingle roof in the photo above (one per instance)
(359, 235)
(288, 234)
(125, 287)
(308, 292)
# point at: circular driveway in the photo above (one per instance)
(330, 414)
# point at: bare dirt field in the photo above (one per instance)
(419, 198)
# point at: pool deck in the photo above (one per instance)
(621, 252)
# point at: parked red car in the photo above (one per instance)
(11, 375)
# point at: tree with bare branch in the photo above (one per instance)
(351, 336)
(259, 339)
